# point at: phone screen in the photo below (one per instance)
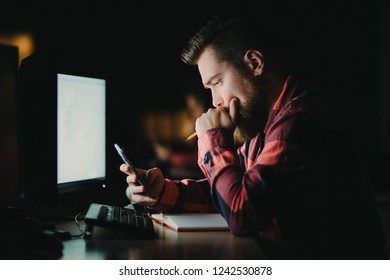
(130, 165)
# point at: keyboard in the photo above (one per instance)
(125, 219)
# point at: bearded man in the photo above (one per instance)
(295, 182)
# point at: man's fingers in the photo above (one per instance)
(124, 168)
(131, 179)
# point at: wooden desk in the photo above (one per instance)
(168, 245)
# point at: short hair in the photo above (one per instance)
(230, 39)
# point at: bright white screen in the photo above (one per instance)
(81, 128)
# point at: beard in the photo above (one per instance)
(252, 115)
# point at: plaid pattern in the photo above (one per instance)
(297, 182)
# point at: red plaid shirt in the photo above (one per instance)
(298, 183)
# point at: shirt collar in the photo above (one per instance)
(289, 87)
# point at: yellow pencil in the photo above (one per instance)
(191, 136)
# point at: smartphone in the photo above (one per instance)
(130, 165)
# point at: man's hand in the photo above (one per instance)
(136, 193)
(218, 117)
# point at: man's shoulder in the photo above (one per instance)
(310, 99)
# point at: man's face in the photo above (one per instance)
(225, 83)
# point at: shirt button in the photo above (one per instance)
(207, 157)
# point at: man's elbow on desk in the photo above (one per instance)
(245, 229)
(240, 230)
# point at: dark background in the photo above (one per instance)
(343, 45)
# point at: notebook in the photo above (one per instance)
(193, 221)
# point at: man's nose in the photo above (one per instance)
(217, 100)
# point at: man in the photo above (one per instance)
(295, 183)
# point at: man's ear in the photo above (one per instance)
(254, 59)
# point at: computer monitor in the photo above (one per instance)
(63, 133)
(81, 131)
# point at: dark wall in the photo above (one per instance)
(137, 45)
(385, 84)
(9, 175)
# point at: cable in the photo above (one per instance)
(76, 220)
